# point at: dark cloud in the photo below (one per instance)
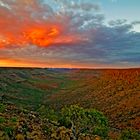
(135, 22)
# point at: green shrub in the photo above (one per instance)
(13, 119)
(64, 121)
(101, 131)
(47, 129)
(2, 120)
(88, 121)
(48, 113)
(2, 108)
(129, 134)
(8, 131)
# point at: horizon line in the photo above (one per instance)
(33, 67)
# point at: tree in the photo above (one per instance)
(88, 121)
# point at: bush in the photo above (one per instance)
(13, 119)
(47, 129)
(82, 120)
(8, 131)
(2, 108)
(48, 113)
(129, 134)
(65, 122)
(101, 131)
(2, 120)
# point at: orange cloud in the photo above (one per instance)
(30, 22)
(42, 36)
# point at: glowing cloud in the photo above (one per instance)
(32, 22)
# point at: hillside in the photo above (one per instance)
(114, 92)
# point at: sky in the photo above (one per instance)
(70, 33)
